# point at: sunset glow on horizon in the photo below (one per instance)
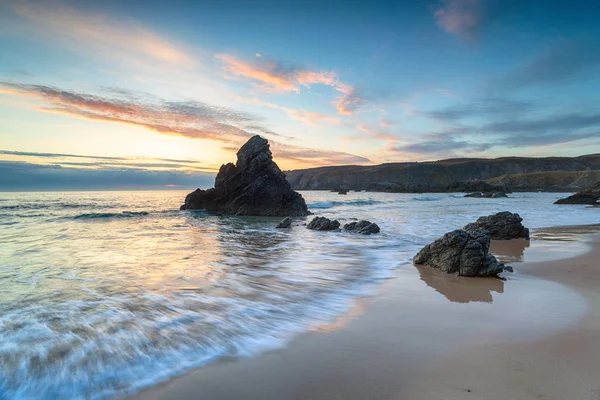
(177, 88)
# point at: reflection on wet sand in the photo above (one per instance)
(460, 289)
(566, 233)
(507, 251)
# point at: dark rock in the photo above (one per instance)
(461, 252)
(487, 195)
(343, 191)
(285, 223)
(253, 186)
(474, 186)
(589, 195)
(508, 268)
(323, 224)
(362, 227)
(501, 226)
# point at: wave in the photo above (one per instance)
(124, 214)
(54, 206)
(427, 198)
(331, 204)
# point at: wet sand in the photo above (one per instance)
(432, 336)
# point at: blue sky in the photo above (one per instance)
(327, 82)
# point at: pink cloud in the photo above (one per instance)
(463, 18)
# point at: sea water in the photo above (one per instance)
(104, 293)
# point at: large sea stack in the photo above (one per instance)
(590, 195)
(254, 185)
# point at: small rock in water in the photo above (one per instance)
(323, 224)
(590, 195)
(461, 252)
(508, 268)
(363, 227)
(501, 226)
(284, 223)
(343, 191)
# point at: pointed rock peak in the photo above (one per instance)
(256, 146)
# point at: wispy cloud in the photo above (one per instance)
(310, 118)
(189, 119)
(493, 107)
(463, 18)
(102, 162)
(32, 176)
(98, 33)
(561, 63)
(274, 76)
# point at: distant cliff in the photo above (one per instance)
(513, 173)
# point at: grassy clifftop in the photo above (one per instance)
(518, 173)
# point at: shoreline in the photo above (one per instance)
(533, 336)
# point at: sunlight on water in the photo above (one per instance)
(106, 292)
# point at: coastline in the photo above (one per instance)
(533, 336)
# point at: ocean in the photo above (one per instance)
(105, 293)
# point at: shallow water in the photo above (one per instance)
(103, 293)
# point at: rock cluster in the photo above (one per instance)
(486, 195)
(323, 224)
(501, 226)
(253, 186)
(589, 195)
(363, 227)
(461, 252)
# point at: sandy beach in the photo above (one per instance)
(534, 336)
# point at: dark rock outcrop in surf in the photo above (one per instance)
(253, 186)
(501, 226)
(462, 253)
(589, 195)
(323, 224)
(284, 223)
(363, 227)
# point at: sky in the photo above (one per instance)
(155, 94)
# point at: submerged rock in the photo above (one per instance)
(253, 186)
(323, 224)
(284, 223)
(490, 195)
(501, 226)
(590, 195)
(462, 253)
(343, 191)
(363, 227)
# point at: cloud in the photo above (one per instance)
(554, 129)
(274, 76)
(310, 118)
(350, 102)
(308, 156)
(500, 131)
(86, 32)
(442, 144)
(62, 159)
(17, 176)
(56, 155)
(189, 119)
(463, 18)
(559, 64)
(484, 108)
